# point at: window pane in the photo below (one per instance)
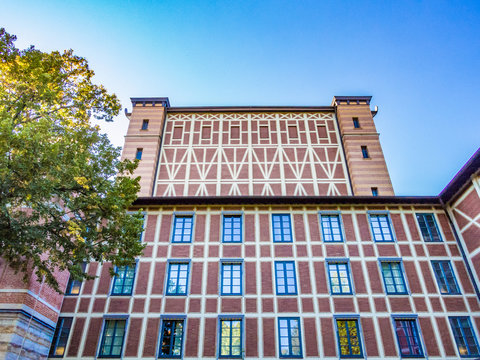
(177, 280)
(282, 231)
(381, 227)
(112, 339)
(182, 228)
(331, 228)
(339, 274)
(348, 337)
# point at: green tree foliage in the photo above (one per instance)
(64, 193)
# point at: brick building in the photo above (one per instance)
(274, 232)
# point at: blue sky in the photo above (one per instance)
(420, 60)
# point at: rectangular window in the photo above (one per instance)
(60, 337)
(139, 153)
(464, 334)
(290, 338)
(374, 191)
(177, 280)
(408, 337)
(445, 277)
(282, 228)
(171, 339)
(182, 229)
(112, 338)
(349, 341)
(356, 123)
(331, 227)
(230, 340)
(381, 228)
(231, 278)
(285, 278)
(339, 276)
(145, 124)
(74, 286)
(428, 226)
(365, 152)
(123, 281)
(393, 277)
(232, 228)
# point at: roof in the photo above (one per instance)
(462, 178)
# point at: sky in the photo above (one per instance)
(420, 60)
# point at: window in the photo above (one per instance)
(182, 228)
(349, 341)
(428, 226)
(231, 278)
(171, 338)
(381, 228)
(408, 337)
(339, 276)
(393, 277)
(465, 338)
(112, 338)
(331, 228)
(145, 124)
(73, 286)
(374, 191)
(123, 281)
(282, 228)
(290, 337)
(232, 228)
(230, 339)
(139, 153)
(60, 337)
(365, 152)
(445, 277)
(285, 278)
(356, 123)
(177, 281)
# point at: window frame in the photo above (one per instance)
(233, 317)
(281, 215)
(413, 318)
(231, 262)
(232, 214)
(365, 153)
(167, 278)
(284, 262)
(56, 337)
(340, 224)
(428, 227)
(102, 335)
(346, 261)
(402, 270)
(168, 317)
(459, 291)
(289, 318)
(182, 214)
(114, 279)
(139, 154)
(349, 317)
(389, 222)
(68, 290)
(472, 329)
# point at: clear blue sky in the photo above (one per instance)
(419, 59)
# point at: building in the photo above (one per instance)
(274, 232)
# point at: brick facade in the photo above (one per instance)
(303, 164)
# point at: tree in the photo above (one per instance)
(64, 193)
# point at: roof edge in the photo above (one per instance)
(249, 108)
(304, 200)
(462, 178)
